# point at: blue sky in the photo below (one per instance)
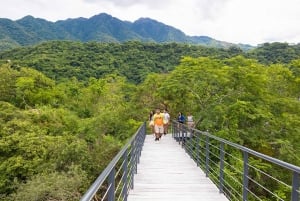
(238, 21)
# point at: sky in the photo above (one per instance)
(238, 21)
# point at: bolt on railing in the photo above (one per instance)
(239, 172)
(118, 177)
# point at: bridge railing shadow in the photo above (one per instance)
(239, 172)
(117, 178)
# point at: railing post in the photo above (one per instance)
(245, 177)
(141, 138)
(191, 145)
(207, 156)
(295, 187)
(125, 180)
(139, 147)
(132, 165)
(172, 129)
(198, 149)
(111, 183)
(222, 153)
(194, 154)
(177, 132)
(183, 135)
(135, 155)
(189, 142)
(145, 130)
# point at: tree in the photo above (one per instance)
(8, 77)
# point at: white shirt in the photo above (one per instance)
(167, 117)
(190, 118)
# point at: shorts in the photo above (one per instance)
(158, 129)
(190, 124)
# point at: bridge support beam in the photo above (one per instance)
(207, 156)
(295, 187)
(125, 178)
(111, 184)
(245, 177)
(222, 155)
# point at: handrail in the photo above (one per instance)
(255, 153)
(128, 157)
(235, 173)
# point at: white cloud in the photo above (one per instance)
(258, 21)
(128, 3)
(238, 21)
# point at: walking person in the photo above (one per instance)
(158, 119)
(181, 120)
(190, 121)
(151, 122)
(190, 124)
(166, 121)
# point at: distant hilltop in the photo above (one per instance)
(102, 28)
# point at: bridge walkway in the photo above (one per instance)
(167, 173)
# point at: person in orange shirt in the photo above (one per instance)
(158, 119)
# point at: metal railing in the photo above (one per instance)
(118, 177)
(239, 172)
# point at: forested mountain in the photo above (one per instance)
(134, 60)
(66, 108)
(102, 27)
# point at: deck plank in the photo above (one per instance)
(167, 173)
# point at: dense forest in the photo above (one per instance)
(66, 108)
(134, 60)
(59, 60)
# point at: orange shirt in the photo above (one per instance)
(158, 119)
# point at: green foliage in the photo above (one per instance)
(294, 66)
(270, 53)
(47, 129)
(52, 186)
(28, 147)
(58, 131)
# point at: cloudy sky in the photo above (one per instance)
(238, 21)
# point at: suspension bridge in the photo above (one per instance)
(191, 165)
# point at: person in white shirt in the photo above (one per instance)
(190, 121)
(166, 121)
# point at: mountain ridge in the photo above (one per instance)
(101, 27)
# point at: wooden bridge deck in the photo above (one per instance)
(167, 173)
